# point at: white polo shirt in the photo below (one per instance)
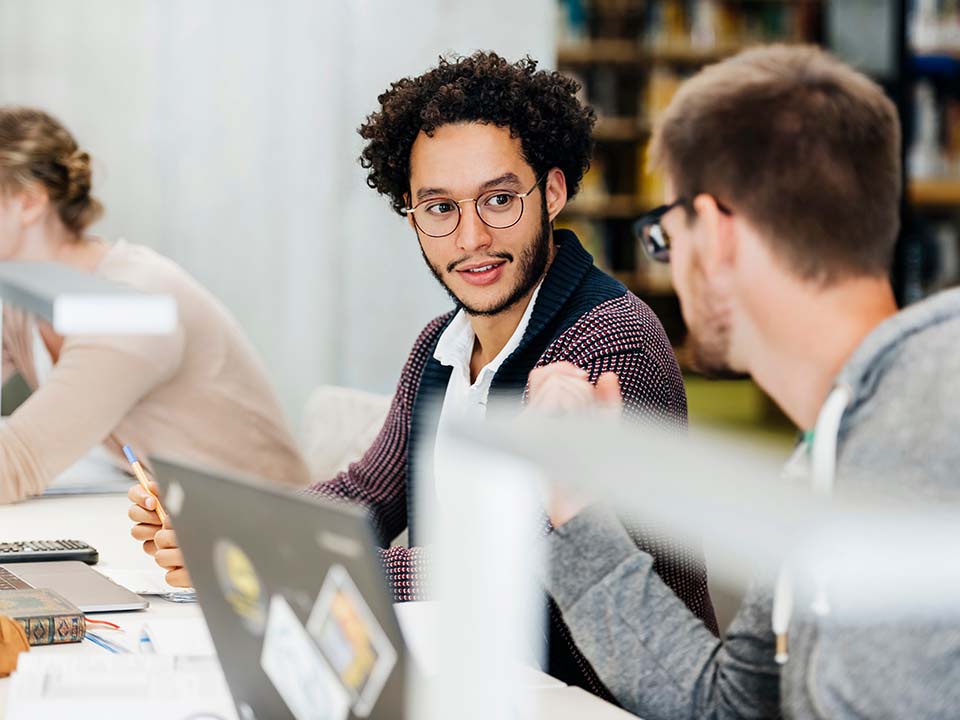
(463, 399)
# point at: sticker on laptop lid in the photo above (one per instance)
(297, 669)
(240, 585)
(351, 639)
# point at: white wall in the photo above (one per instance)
(224, 134)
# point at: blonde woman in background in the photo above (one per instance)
(200, 394)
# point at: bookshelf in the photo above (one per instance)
(932, 144)
(629, 53)
(926, 194)
(630, 56)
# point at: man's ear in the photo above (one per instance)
(718, 240)
(555, 193)
(409, 215)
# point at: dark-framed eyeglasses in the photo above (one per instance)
(497, 209)
(651, 233)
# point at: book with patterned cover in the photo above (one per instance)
(46, 617)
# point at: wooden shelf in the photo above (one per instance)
(688, 55)
(628, 52)
(614, 206)
(613, 52)
(934, 192)
(620, 129)
(943, 52)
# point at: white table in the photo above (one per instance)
(102, 521)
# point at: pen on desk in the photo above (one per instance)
(106, 644)
(141, 476)
(146, 643)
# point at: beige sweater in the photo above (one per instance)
(200, 395)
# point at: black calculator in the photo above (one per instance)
(39, 550)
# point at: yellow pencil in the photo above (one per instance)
(141, 476)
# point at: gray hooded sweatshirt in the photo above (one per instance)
(900, 434)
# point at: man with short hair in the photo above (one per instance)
(783, 187)
(480, 156)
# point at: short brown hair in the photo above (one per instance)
(802, 145)
(36, 147)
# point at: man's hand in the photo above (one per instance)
(561, 388)
(158, 538)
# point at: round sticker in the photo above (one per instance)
(240, 585)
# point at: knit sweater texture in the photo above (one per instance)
(582, 316)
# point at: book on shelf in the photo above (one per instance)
(46, 617)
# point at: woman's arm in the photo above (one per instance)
(94, 384)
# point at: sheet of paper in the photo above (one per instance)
(138, 580)
(187, 637)
(93, 687)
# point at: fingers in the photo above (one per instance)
(169, 559)
(608, 390)
(168, 555)
(166, 539)
(562, 394)
(146, 517)
(565, 505)
(541, 375)
(179, 578)
(563, 387)
(139, 496)
(150, 548)
(143, 532)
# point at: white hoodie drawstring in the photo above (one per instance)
(823, 474)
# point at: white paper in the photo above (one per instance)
(87, 686)
(297, 669)
(139, 581)
(187, 637)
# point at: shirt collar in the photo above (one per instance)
(455, 345)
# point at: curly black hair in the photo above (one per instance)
(541, 108)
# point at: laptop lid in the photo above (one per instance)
(294, 595)
(79, 583)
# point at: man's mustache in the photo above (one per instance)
(496, 256)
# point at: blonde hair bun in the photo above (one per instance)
(36, 148)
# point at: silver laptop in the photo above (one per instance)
(76, 581)
(294, 595)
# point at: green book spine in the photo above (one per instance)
(54, 629)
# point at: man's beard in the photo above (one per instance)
(532, 266)
(710, 341)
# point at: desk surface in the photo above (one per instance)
(102, 522)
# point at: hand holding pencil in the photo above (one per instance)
(152, 526)
(148, 487)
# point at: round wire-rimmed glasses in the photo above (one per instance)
(497, 209)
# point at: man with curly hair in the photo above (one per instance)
(480, 155)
